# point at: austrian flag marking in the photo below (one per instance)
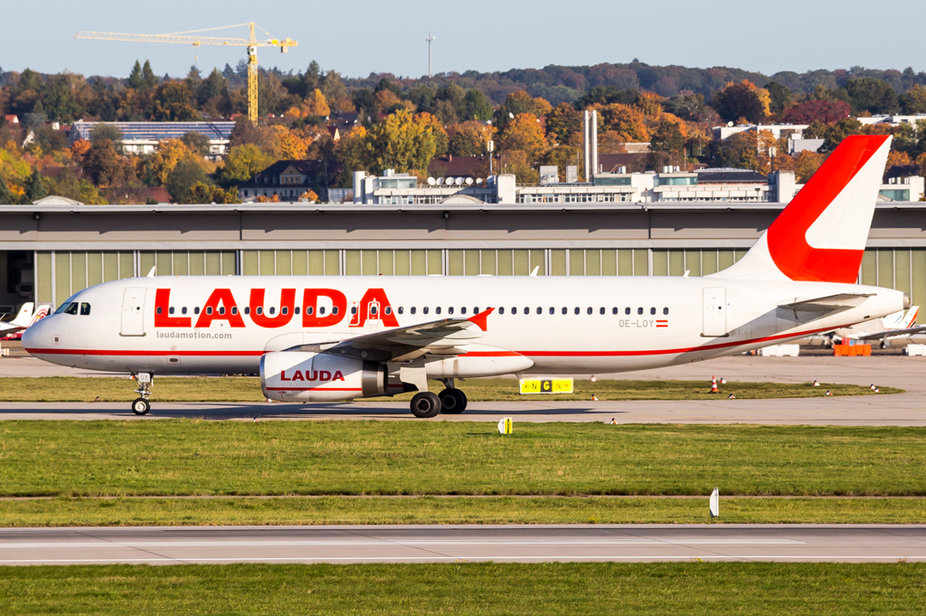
(662, 322)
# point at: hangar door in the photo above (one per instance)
(133, 312)
(715, 312)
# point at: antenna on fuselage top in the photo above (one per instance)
(534, 271)
(151, 272)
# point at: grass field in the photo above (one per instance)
(308, 510)
(247, 389)
(491, 588)
(466, 471)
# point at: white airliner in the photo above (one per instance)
(337, 338)
(27, 316)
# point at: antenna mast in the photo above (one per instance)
(430, 40)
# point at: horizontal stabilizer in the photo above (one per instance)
(827, 304)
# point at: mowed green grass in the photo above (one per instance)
(196, 457)
(309, 510)
(247, 389)
(484, 588)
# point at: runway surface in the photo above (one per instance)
(907, 409)
(437, 544)
(842, 411)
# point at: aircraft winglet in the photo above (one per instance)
(481, 318)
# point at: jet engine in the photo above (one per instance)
(298, 376)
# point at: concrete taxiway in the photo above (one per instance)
(906, 409)
(436, 544)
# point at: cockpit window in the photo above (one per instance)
(84, 308)
(69, 308)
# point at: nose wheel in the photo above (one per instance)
(141, 406)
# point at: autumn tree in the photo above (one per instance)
(157, 166)
(470, 138)
(405, 141)
(524, 133)
(914, 100)
(519, 102)
(563, 123)
(826, 111)
(316, 104)
(173, 102)
(742, 100)
(628, 122)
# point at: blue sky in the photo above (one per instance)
(360, 37)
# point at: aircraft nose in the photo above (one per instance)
(38, 336)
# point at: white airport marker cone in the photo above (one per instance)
(504, 425)
(816, 383)
(714, 503)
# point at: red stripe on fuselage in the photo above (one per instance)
(640, 352)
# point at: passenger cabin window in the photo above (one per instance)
(665, 311)
(639, 310)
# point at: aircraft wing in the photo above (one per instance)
(7, 328)
(891, 333)
(443, 337)
(827, 304)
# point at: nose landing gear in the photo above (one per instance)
(141, 406)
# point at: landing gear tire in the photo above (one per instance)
(452, 401)
(425, 404)
(141, 406)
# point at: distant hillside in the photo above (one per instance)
(567, 83)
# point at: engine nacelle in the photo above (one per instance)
(291, 376)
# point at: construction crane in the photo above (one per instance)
(193, 37)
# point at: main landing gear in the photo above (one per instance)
(428, 404)
(140, 406)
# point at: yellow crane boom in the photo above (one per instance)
(193, 37)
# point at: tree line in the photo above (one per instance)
(534, 117)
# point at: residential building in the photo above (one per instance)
(144, 137)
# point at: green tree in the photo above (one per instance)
(35, 187)
(867, 94)
(135, 80)
(668, 138)
(476, 106)
(106, 132)
(148, 78)
(779, 96)
(202, 192)
(6, 196)
(243, 161)
(102, 163)
(186, 174)
(197, 142)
